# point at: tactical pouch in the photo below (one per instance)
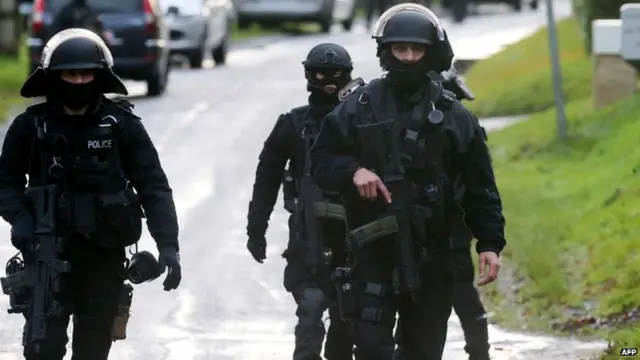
(120, 321)
(119, 219)
(346, 294)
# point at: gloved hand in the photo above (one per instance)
(257, 246)
(23, 232)
(169, 258)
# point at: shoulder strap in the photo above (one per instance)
(362, 107)
(298, 115)
(121, 106)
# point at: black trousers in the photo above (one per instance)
(468, 307)
(314, 295)
(423, 322)
(91, 294)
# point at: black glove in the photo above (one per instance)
(23, 232)
(169, 258)
(257, 246)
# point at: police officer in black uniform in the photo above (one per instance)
(97, 152)
(327, 69)
(398, 149)
(466, 299)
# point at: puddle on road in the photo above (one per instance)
(512, 345)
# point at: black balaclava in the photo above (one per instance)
(406, 78)
(319, 98)
(73, 96)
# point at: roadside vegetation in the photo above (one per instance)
(517, 80)
(572, 206)
(13, 72)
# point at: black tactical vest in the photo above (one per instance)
(307, 129)
(97, 201)
(413, 147)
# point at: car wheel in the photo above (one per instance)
(459, 10)
(325, 26)
(534, 4)
(243, 24)
(196, 58)
(347, 25)
(516, 5)
(157, 82)
(220, 53)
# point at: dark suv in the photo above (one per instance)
(133, 30)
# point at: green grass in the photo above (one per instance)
(517, 80)
(253, 31)
(573, 215)
(12, 74)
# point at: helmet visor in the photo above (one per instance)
(379, 26)
(68, 34)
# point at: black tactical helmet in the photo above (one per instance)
(414, 23)
(74, 49)
(327, 55)
(324, 57)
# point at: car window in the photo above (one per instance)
(101, 5)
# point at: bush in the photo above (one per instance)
(12, 74)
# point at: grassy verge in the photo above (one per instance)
(12, 75)
(518, 80)
(253, 31)
(573, 221)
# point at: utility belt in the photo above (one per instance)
(111, 220)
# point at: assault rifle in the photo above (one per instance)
(308, 228)
(39, 275)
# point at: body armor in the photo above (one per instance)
(97, 202)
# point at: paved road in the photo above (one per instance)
(209, 128)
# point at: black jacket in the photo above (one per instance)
(139, 158)
(284, 145)
(335, 158)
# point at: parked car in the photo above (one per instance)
(270, 13)
(460, 8)
(515, 4)
(134, 31)
(198, 28)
